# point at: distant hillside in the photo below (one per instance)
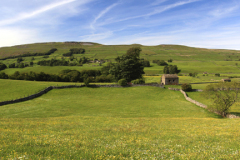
(99, 51)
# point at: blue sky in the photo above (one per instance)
(196, 23)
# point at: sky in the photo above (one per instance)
(196, 23)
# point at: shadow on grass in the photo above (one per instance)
(235, 113)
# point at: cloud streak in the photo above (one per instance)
(24, 16)
(101, 14)
(156, 11)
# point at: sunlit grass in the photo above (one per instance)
(120, 123)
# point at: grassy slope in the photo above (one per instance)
(140, 122)
(188, 59)
(137, 122)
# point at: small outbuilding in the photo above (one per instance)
(170, 79)
(226, 80)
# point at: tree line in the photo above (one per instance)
(74, 51)
(31, 54)
(63, 62)
(63, 76)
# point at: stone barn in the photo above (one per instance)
(170, 79)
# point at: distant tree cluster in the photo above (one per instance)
(31, 54)
(171, 69)
(19, 65)
(53, 62)
(2, 66)
(63, 62)
(193, 74)
(146, 63)
(74, 51)
(160, 62)
(63, 76)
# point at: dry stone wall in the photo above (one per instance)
(69, 86)
(198, 103)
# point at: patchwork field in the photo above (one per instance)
(188, 59)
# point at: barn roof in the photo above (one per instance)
(170, 76)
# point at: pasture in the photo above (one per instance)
(188, 59)
(125, 123)
(118, 123)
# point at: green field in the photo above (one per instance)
(118, 123)
(188, 59)
(121, 123)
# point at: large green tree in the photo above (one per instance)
(128, 66)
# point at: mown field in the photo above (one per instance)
(125, 123)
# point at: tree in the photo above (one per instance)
(186, 87)
(20, 59)
(146, 63)
(223, 95)
(134, 51)
(162, 63)
(128, 66)
(2, 66)
(171, 69)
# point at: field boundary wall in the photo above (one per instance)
(46, 90)
(198, 103)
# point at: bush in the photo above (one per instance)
(138, 81)
(146, 63)
(170, 60)
(217, 74)
(171, 69)
(122, 82)
(193, 74)
(162, 63)
(86, 81)
(46, 56)
(186, 87)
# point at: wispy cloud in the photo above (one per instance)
(157, 10)
(223, 11)
(157, 2)
(24, 16)
(102, 13)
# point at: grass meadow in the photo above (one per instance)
(114, 123)
(188, 59)
(118, 123)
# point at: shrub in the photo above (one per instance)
(138, 81)
(170, 60)
(146, 63)
(217, 74)
(193, 74)
(46, 56)
(186, 87)
(86, 81)
(171, 69)
(122, 82)
(162, 63)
